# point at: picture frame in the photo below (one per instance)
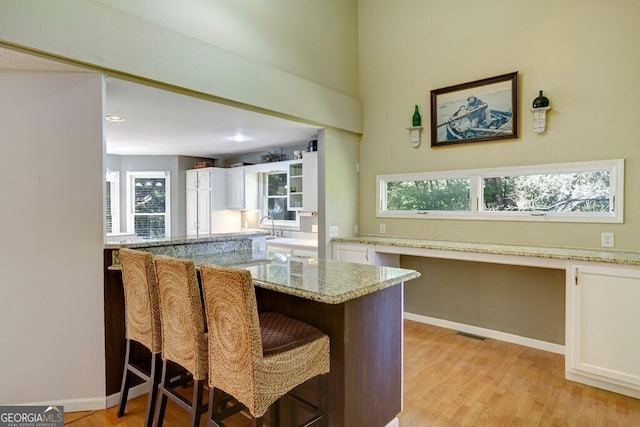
(482, 110)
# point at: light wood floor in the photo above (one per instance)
(451, 380)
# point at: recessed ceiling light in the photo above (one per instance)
(115, 118)
(239, 138)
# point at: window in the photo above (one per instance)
(112, 202)
(148, 204)
(274, 199)
(580, 192)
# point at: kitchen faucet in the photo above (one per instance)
(273, 227)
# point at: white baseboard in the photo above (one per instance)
(394, 423)
(114, 399)
(489, 333)
(72, 405)
(92, 403)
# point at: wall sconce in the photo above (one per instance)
(540, 108)
(416, 128)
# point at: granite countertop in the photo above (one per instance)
(181, 240)
(330, 282)
(294, 242)
(573, 254)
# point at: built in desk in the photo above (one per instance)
(602, 293)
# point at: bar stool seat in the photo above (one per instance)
(257, 359)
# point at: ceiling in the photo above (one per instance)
(163, 122)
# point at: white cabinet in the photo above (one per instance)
(360, 254)
(310, 181)
(206, 194)
(235, 188)
(294, 187)
(602, 338)
(303, 183)
(198, 201)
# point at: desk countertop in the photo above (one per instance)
(572, 254)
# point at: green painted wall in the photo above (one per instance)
(583, 54)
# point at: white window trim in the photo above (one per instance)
(150, 174)
(281, 224)
(615, 167)
(114, 178)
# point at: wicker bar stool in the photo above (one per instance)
(142, 324)
(257, 358)
(184, 341)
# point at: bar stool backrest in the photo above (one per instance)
(235, 345)
(142, 311)
(183, 338)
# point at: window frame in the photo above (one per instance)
(476, 177)
(264, 204)
(131, 175)
(113, 177)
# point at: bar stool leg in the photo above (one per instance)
(154, 382)
(196, 402)
(159, 418)
(126, 382)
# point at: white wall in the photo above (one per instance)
(51, 283)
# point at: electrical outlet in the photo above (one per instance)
(607, 240)
(333, 231)
(383, 228)
(355, 229)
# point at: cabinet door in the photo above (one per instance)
(235, 188)
(204, 212)
(192, 179)
(603, 338)
(204, 179)
(310, 181)
(192, 211)
(198, 212)
(295, 186)
(199, 179)
(360, 254)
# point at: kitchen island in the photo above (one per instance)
(359, 307)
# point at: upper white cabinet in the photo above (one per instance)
(602, 341)
(303, 183)
(295, 186)
(199, 179)
(310, 181)
(235, 188)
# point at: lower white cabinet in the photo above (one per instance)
(360, 254)
(602, 326)
(292, 250)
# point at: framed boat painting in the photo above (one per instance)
(483, 110)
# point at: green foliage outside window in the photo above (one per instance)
(440, 195)
(567, 192)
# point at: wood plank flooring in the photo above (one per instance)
(452, 380)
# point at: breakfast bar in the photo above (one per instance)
(360, 308)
